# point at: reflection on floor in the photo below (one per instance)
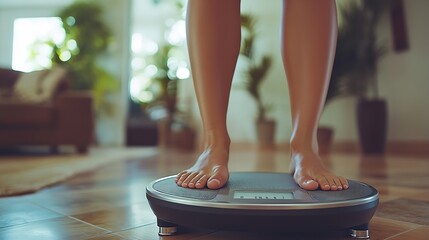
(110, 203)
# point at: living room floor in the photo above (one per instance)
(110, 203)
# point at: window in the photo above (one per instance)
(33, 39)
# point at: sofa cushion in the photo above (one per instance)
(39, 86)
(13, 114)
(28, 86)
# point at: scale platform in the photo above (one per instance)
(262, 202)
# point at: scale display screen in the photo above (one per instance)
(263, 195)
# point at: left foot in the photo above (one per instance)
(310, 174)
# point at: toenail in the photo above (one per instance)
(218, 182)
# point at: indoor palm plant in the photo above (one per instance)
(255, 73)
(355, 69)
(86, 38)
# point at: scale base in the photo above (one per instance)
(167, 231)
(171, 229)
(255, 201)
(166, 228)
(360, 232)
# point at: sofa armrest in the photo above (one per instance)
(75, 117)
(8, 77)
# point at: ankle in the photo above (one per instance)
(216, 139)
(308, 146)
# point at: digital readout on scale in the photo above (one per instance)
(263, 195)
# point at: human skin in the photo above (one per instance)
(309, 31)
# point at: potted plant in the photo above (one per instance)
(163, 86)
(255, 74)
(86, 38)
(355, 69)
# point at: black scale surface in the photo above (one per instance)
(267, 182)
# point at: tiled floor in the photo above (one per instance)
(110, 203)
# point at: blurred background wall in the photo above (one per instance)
(403, 76)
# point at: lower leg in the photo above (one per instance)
(309, 40)
(214, 43)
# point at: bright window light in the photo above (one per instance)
(31, 50)
(177, 34)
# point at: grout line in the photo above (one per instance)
(409, 230)
(52, 210)
(118, 233)
(144, 225)
(77, 219)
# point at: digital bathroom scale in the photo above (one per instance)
(263, 202)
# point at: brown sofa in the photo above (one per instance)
(66, 119)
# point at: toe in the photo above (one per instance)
(201, 183)
(338, 183)
(194, 180)
(344, 183)
(181, 177)
(331, 182)
(188, 179)
(323, 183)
(218, 179)
(214, 183)
(307, 183)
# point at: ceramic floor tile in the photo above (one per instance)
(388, 193)
(107, 237)
(23, 212)
(233, 235)
(421, 233)
(150, 232)
(424, 196)
(110, 202)
(382, 228)
(120, 218)
(64, 228)
(406, 210)
(72, 203)
(396, 191)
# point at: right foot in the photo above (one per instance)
(210, 169)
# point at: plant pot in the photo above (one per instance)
(325, 136)
(266, 132)
(372, 125)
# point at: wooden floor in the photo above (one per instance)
(110, 203)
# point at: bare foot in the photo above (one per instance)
(310, 174)
(210, 169)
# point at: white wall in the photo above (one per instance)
(403, 77)
(117, 15)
